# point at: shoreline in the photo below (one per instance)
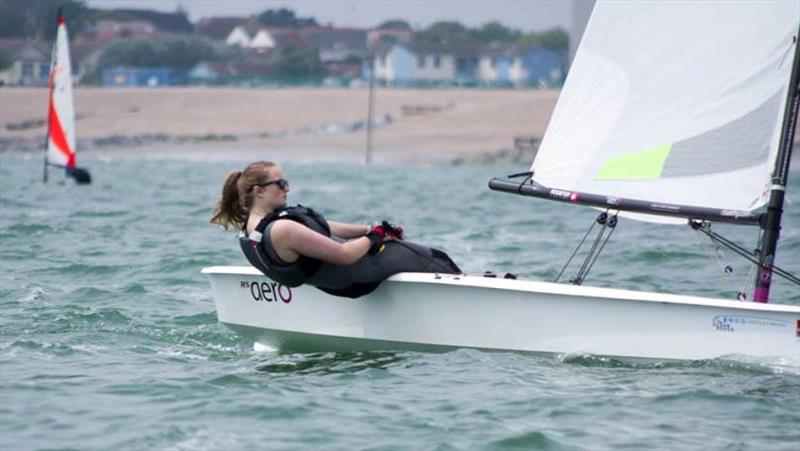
(410, 126)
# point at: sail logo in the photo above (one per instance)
(267, 291)
(733, 323)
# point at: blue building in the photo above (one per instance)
(147, 77)
(542, 66)
(402, 64)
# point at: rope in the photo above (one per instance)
(575, 252)
(741, 251)
(611, 224)
(607, 225)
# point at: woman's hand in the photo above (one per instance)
(392, 230)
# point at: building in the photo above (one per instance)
(243, 72)
(401, 64)
(520, 67)
(219, 28)
(30, 62)
(143, 77)
(109, 30)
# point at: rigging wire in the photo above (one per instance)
(606, 225)
(752, 257)
(611, 224)
(715, 250)
(575, 252)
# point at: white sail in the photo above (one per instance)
(674, 101)
(61, 114)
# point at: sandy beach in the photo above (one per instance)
(414, 126)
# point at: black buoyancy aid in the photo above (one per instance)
(352, 281)
(258, 249)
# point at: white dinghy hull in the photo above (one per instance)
(431, 312)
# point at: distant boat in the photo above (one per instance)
(60, 146)
(678, 112)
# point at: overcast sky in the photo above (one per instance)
(527, 15)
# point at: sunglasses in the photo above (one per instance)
(282, 184)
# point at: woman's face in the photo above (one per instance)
(272, 195)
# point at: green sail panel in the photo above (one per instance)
(643, 165)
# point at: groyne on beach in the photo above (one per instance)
(409, 125)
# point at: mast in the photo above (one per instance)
(771, 222)
(370, 108)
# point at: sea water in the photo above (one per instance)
(109, 337)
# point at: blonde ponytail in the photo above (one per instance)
(235, 202)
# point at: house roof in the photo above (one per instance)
(219, 28)
(29, 49)
(171, 22)
(330, 38)
(18, 48)
(286, 36)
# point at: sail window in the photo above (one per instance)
(739, 144)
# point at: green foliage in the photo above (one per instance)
(177, 52)
(448, 33)
(555, 39)
(14, 20)
(494, 32)
(299, 63)
(443, 32)
(76, 15)
(284, 18)
(37, 18)
(5, 61)
(394, 24)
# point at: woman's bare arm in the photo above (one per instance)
(348, 231)
(291, 239)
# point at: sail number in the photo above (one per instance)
(267, 291)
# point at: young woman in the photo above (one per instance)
(296, 245)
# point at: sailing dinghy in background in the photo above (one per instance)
(678, 112)
(60, 146)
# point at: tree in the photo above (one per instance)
(494, 32)
(76, 14)
(284, 18)
(556, 40)
(394, 24)
(14, 20)
(297, 62)
(5, 61)
(177, 52)
(442, 32)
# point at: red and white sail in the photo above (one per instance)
(61, 114)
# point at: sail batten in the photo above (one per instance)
(675, 103)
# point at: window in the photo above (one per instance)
(44, 71)
(421, 61)
(437, 61)
(27, 70)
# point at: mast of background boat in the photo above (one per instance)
(50, 97)
(370, 106)
(771, 222)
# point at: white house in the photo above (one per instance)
(238, 36)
